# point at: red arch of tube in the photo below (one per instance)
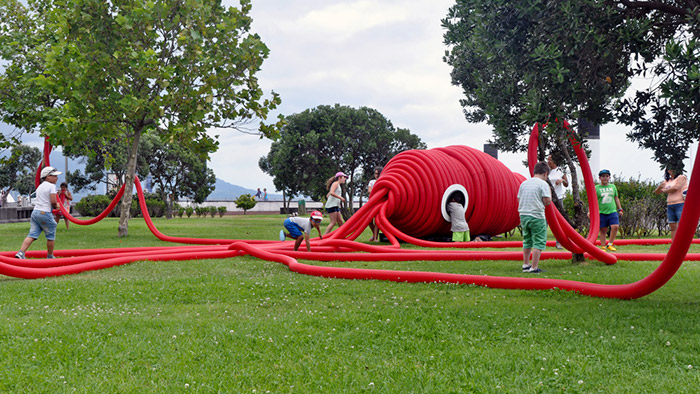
(394, 197)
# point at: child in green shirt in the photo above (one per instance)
(610, 210)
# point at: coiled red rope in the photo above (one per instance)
(405, 201)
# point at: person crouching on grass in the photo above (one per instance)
(534, 196)
(299, 228)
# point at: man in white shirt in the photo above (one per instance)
(42, 217)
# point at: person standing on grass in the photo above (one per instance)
(299, 229)
(334, 199)
(610, 210)
(64, 197)
(534, 195)
(457, 209)
(42, 216)
(673, 185)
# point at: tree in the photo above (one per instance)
(318, 142)
(514, 74)
(128, 69)
(177, 172)
(245, 202)
(19, 170)
(104, 159)
(23, 45)
(666, 115)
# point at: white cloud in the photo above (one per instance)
(342, 20)
(383, 54)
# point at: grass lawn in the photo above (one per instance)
(244, 325)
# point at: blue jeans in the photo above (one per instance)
(42, 221)
(674, 211)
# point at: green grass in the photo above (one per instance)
(243, 325)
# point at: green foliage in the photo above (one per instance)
(189, 211)
(156, 207)
(18, 171)
(245, 202)
(513, 73)
(222, 211)
(177, 171)
(102, 160)
(318, 142)
(180, 211)
(201, 211)
(212, 211)
(644, 211)
(666, 118)
(122, 70)
(92, 206)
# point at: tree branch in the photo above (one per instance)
(655, 5)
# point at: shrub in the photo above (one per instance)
(180, 211)
(644, 211)
(201, 211)
(222, 211)
(245, 202)
(156, 208)
(93, 205)
(212, 211)
(189, 211)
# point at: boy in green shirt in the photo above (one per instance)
(609, 206)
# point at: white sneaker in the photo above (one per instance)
(282, 236)
(19, 255)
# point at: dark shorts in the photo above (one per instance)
(333, 209)
(673, 212)
(292, 228)
(609, 219)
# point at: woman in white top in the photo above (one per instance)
(334, 199)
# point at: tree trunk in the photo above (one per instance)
(169, 203)
(347, 212)
(577, 221)
(579, 212)
(129, 185)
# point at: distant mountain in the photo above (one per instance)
(227, 191)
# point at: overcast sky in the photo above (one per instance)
(385, 55)
(382, 54)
